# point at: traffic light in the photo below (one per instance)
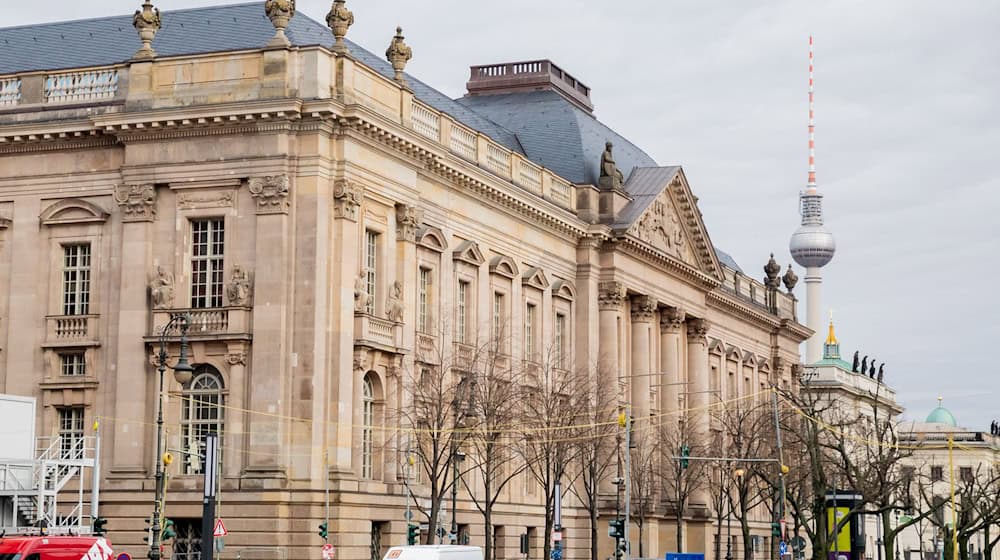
(168, 531)
(412, 534)
(616, 528)
(323, 532)
(775, 529)
(99, 523)
(685, 453)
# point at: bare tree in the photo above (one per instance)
(975, 507)
(552, 403)
(642, 478)
(596, 452)
(680, 479)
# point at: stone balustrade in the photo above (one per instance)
(71, 330)
(370, 330)
(10, 91)
(219, 322)
(81, 87)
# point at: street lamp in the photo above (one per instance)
(457, 458)
(182, 374)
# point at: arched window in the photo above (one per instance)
(367, 427)
(201, 403)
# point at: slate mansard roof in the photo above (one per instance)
(543, 126)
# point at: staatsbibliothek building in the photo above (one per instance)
(332, 224)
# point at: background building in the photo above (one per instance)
(335, 226)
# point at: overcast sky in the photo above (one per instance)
(907, 130)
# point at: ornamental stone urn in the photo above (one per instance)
(147, 22)
(339, 19)
(398, 54)
(280, 12)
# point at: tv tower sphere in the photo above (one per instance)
(812, 246)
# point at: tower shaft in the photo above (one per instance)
(814, 314)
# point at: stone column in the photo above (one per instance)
(132, 450)
(643, 308)
(347, 197)
(610, 298)
(698, 397)
(671, 358)
(270, 367)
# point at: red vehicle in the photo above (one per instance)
(55, 548)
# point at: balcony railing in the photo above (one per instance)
(76, 87)
(378, 331)
(71, 329)
(217, 321)
(10, 91)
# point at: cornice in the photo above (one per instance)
(632, 246)
(723, 302)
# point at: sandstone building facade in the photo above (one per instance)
(328, 221)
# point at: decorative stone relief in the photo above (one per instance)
(213, 199)
(409, 219)
(236, 358)
(271, 194)
(347, 197)
(671, 319)
(643, 308)
(660, 228)
(339, 18)
(138, 202)
(280, 12)
(161, 289)
(238, 289)
(610, 295)
(394, 303)
(147, 22)
(360, 292)
(398, 54)
(697, 330)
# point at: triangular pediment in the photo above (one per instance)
(468, 251)
(717, 347)
(504, 266)
(667, 219)
(535, 278)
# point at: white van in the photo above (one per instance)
(434, 552)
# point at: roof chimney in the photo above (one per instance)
(534, 75)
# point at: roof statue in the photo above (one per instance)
(790, 279)
(280, 12)
(864, 365)
(398, 54)
(881, 372)
(771, 270)
(147, 22)
(611, 177)
(854, 366)
(339, 18)
(871, 369)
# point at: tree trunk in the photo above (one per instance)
(888, 537)
(593, 526)
(642, 527)
(745, 537)
(680, 530)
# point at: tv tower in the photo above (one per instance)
(812, 246)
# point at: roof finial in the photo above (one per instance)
(339, 19)
(280, 12)
(398, 54)
(790, 279)
(147, 22)
(831, 338)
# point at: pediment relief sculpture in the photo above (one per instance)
(661, 228)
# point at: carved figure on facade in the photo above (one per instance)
(398, 54)
(138, 202)
(610, 295)
(611, 177)
(660, 228)
(161, 289)
(361, 292)
(339, 18)
(271, 193)
(394, 307)
(790, 279)
(409, 219)
(347, 197)
(146, 22)
(238, 289)
(280, 12)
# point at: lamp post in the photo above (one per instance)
(457, 457)
(182, 374)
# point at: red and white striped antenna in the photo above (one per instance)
(812, 123)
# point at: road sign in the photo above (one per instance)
(408, 515)
(556, 536)
(782, 548)
(327, 551)
(123, 556)
(220, 529)
(798, 543)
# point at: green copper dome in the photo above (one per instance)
(941, 415)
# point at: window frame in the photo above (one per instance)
(367, 428)
(210, 265)
(372, 250)
(195, 401)
(78, 364)
(531, 330)
(425, 283)
(76, 278)
(463, 291)
(75, 432)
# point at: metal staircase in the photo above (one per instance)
(34, 493)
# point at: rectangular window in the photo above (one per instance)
(560, 340)
(371, 266)
(207, 253)
(73, 364)
(424, 295)
(71, 432)
(461, 311)
(498, 317)
(965, 474)
(529, 331)
(76, 279)
(937, 473)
